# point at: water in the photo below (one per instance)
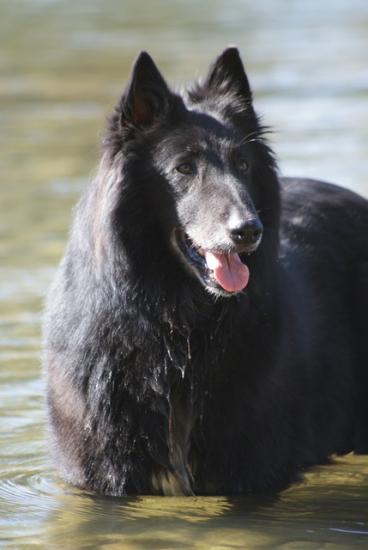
(62, 65)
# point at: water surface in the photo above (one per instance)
(62, 65)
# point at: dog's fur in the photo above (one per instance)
(158, 379)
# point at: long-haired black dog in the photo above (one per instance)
(205, 332)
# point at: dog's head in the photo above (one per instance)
(202, 164)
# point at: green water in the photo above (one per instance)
(62, 64)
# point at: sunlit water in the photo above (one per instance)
(62, 64)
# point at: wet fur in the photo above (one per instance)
(154, 385)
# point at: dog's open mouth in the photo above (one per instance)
(222, 273)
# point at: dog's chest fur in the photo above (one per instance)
(177, 479)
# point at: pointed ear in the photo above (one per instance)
(146, 96)
(227, 74)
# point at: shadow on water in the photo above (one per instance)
(213, 522)
(311, 513)
(325, 509)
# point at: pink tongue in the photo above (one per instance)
(228, 269)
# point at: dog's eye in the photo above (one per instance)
(243, 164)
(185, 168)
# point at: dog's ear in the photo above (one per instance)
(146, 96)
(227, 74)
(225, 77)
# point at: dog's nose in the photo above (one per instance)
(247, 233)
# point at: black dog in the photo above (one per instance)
(206, 329)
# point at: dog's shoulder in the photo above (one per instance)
(317, 193)
(317, 206)
(323, 228)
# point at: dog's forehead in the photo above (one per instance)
(201, 132)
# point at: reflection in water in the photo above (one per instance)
(62, 66)
(331, 503)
